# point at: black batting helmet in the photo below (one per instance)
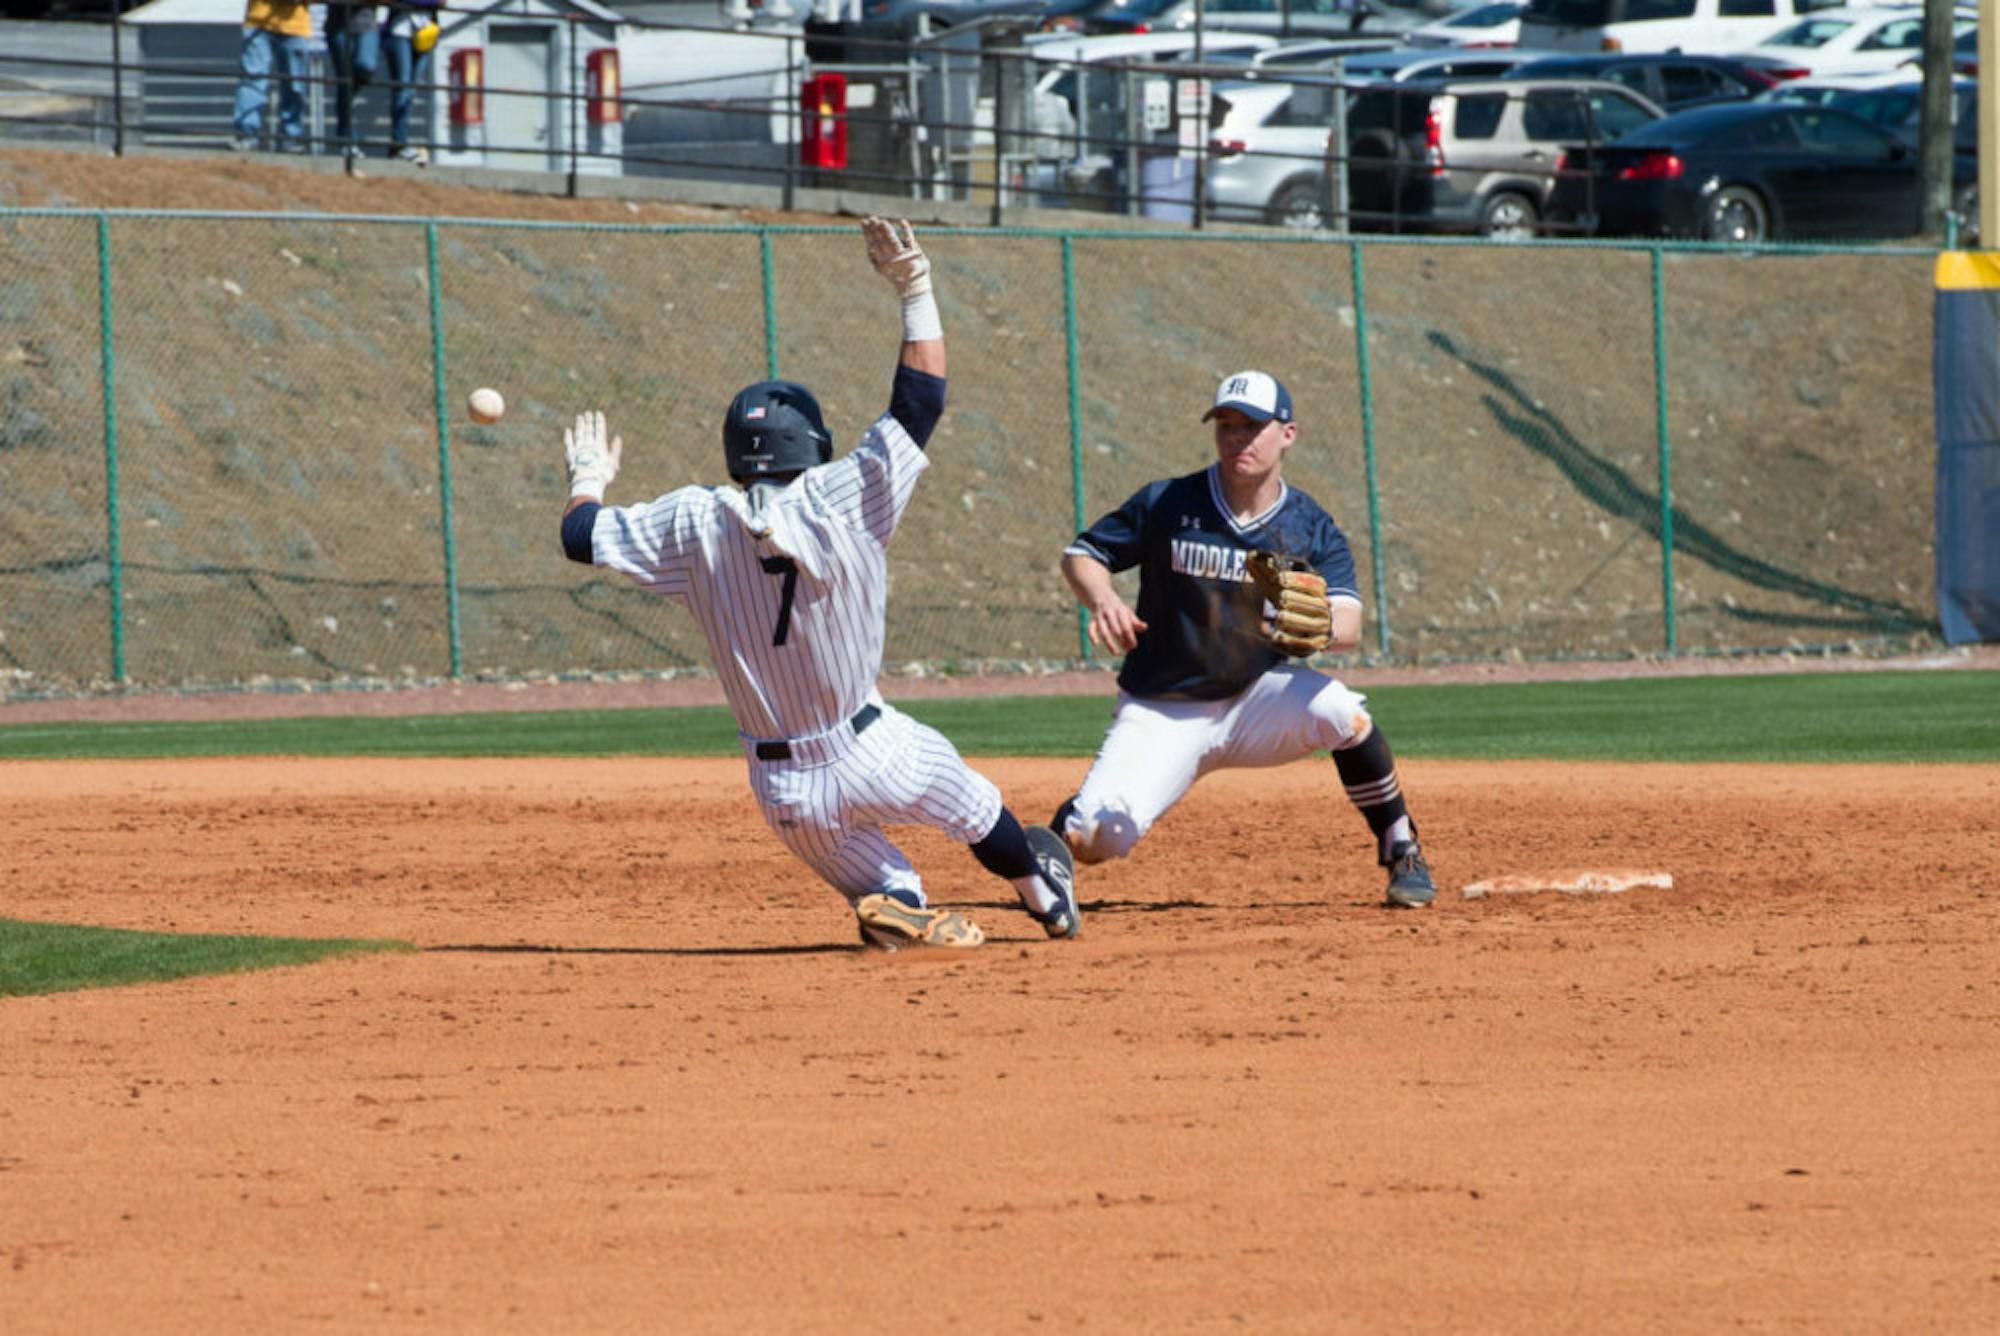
(774, 427)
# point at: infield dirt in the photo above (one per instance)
(641, 1078)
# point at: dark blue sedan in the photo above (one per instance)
(1751, 171)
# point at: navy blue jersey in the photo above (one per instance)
(1204, 638)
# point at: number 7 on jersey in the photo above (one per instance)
(788, 568)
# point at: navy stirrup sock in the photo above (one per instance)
(1004, 852)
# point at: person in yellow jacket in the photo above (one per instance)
(408, 35)
(275, 37)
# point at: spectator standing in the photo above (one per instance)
(275, 37)
(408, 36)
(354, 50)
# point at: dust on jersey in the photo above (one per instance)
(1203, 615)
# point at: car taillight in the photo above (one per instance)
(1567, 162)
(1434, 142)
(1140, 27)
(1783, 72)
(1611, 44)
(1655, 166)
(1227, 148)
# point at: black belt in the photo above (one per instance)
(782, 751)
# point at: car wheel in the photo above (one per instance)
(1736, 214)
(1300, 204)
(1508, 216)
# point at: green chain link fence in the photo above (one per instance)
(232, 448)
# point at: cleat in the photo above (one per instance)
(888, 924)
(1409, 877)
(1056, 866)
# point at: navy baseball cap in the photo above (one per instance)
(1255, 394)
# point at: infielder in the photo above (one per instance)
(1237, 573)
(786, 575)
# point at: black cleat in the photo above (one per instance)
(1058, 868)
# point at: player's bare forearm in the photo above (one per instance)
(1346, 626)
(925, 355)
(1113, 625)
(576, 501)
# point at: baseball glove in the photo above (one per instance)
(1300, 622)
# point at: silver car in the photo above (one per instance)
(1267, 153)
(1475, 155)
(1268, 142)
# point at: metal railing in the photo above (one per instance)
(970, 114)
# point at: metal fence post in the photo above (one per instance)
(1665, 449)
(999, 133)
(444, 452)
(919, 132)
(770, 304)
(1135, 191)
(1075, 420)
(113, 559)
(570, 101)
(793, 118)
(1368, 445)
(117, 82)
(1338, 146)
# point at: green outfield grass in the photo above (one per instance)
(59, 957)
(1824, 717)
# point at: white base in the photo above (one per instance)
(1590, 881)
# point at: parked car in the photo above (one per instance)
(1282, 18)
(1675, 82)
(1899, 109)
(1078, 99)
(1489, 24)
(1409, 63)
(1848, 41)
(1130, 16)
(1658, 25)
(1752, 171)
(941, 13)
(1306, 18)
(1067, 16)
(1267, 153)
(1077, 93)
(1318, 52)
(1475, 155)
(1823, 90)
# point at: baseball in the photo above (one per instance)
(485, 405)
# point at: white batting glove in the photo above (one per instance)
(592, 461)
(893, 250)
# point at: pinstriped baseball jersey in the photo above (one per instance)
(788, 585)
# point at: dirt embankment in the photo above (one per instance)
(1513, 424)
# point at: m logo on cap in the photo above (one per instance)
(1257, 395)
